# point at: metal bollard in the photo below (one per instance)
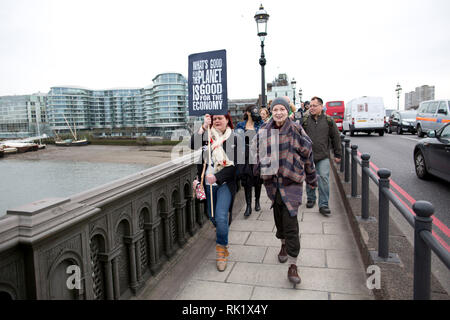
(354, 171)
(422, 253)
(365, 187)
(383, 214)
(343, 146)
(347, 160)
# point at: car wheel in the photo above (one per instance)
(420, 133)
(352, 133)
(419, 164)
(399, 130)
(381, 133)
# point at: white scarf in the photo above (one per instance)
(219, 157)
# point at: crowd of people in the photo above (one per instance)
(277, 146)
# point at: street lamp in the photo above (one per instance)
(398, 89)
(261, 18)
(293, 83)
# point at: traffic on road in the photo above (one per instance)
(420, 170)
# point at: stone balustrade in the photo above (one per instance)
(114, 237)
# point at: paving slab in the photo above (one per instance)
(249, 225)
(238, 237)
(208, 290)
(333, 280)
(336, 228)
(265, 239)
(264, 293)
(207, 271)
(255, 274)
(327, 241)
(343, 259)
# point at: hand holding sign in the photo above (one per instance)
(207, 121)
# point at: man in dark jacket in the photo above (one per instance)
(321, 129)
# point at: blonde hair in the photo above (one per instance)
(293, 108)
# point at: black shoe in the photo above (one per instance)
(257, 195)
(248, 211)
(310, 204)
(248, 200)
(257, 205)
(325, 211)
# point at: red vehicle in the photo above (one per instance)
(335, 109)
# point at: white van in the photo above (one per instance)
(364, 114)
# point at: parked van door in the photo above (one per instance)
(421, 118)
(443, 114)
(431, 121)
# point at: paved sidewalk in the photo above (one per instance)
(329, 263)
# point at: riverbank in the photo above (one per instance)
(148, 155)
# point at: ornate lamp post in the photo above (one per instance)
(293, 83)
(261, 18)
(398, 89)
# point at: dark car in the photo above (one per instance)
(386, 118)
(402, 121)
(432, 154)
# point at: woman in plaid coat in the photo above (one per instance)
(284, 160)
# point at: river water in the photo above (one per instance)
(25, 181)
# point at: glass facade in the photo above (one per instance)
(20, 115)
(166, 100)
(158, 109)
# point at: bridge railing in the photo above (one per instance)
(114, 238)
(424, 241)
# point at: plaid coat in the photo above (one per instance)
(284, 160)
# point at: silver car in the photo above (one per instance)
(432, 115)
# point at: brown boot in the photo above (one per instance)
(283, 256)
(221, 257)
(293, 275)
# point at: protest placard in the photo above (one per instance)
(207, 83)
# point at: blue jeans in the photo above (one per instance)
(323, 178)
(221, 202)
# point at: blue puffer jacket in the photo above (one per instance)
(241, 125)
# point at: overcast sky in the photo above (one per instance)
(337, 50)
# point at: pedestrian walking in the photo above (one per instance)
(247, 129)
(284, 168)
(219, 144)
(265, 114)
(324, 134)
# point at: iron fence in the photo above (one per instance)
(424, 241)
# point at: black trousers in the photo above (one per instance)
(287, 226)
